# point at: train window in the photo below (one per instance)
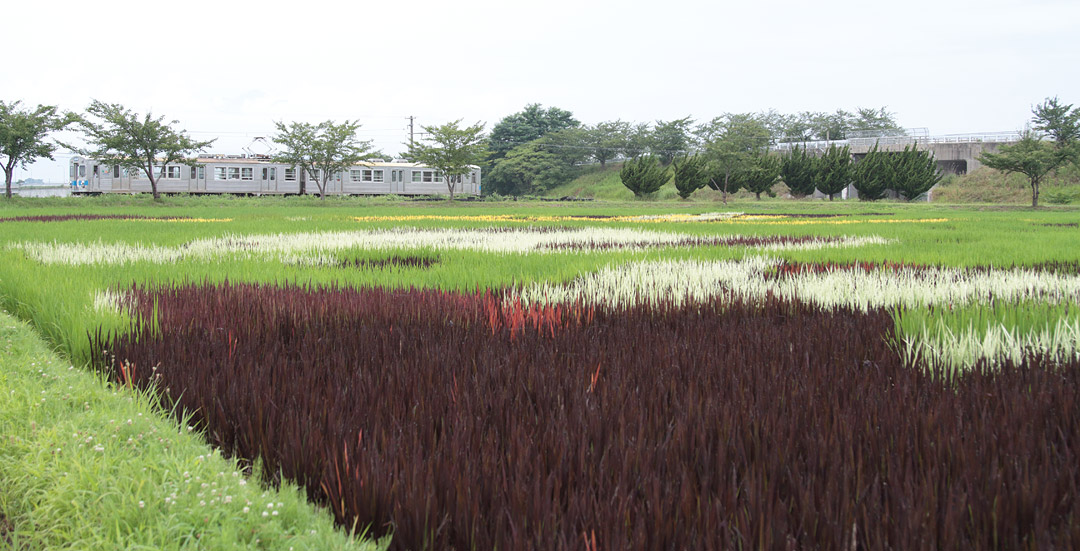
(273, 173)
(416, 176)
(95, 170)
(265, 174)
(290, 174)
(438, 176)
(372, 175)
(247, 173)
(82, 171)
(192, 173)
(474, 177)
(172, 172)
(116, 171)
(220, 173)
(234, 173)
(202, 173)
(355, 175)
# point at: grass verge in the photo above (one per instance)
(86, 465)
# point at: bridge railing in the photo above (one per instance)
(981, 137)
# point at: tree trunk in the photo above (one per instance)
(758, 195)
(830, 196)
(153, 188)
(724, 192)
(303, 180)
(449, 184)
(9, 172)
(603, 163)
(1035, 194)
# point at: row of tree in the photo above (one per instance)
(539, 148)
(146, 144)
(909, 173)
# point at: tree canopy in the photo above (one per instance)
(670, 138)
(527, 125)
(118, 136)
(321, 150)
(23, 136)
(451, 150)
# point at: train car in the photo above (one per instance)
(259, 175)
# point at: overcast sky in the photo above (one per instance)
(228, 69)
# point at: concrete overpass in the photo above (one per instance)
(955, 153)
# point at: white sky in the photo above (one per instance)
(229, 69)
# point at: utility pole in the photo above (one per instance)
(410, 117)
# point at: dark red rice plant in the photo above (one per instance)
(456, 423)
(86, 217)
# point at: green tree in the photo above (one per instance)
(734, 139)
(759, 175)
(913, 172)
(690, 173)
(118, 136)
(606, 140)
(874, 122)
(452, 150)
(797, 171)
(670, 138)
(1060, 122)
(1031, 157)
(541, 164)
(23, 135)
(870, 177)
(644, 175)
(320, 150)
(832, 171)
(532, 168)
(527, 125)
(830, 126)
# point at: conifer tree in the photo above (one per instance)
(914, 172)
(690, 173)
(797, 172)
(871, 174)
(643, 176)
(832, 171)
(760, 175)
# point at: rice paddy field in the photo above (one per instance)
(562, 376)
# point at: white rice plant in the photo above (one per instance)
(290, 246)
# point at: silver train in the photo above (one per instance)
(259, 175)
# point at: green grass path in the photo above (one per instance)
(84, 465)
